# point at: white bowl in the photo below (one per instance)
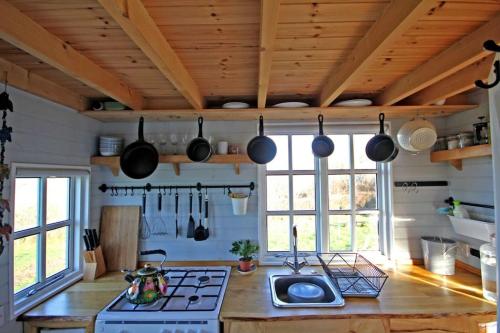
(417, 135)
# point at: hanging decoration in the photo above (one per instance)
(5, 136)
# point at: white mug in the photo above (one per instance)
(222, 147)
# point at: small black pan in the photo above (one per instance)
(261, 149)
(381, 148)
(322, 146)
(140, 158)
(199, 149)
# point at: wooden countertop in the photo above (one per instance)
(410, 292)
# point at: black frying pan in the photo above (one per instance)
(322, 146)
(381, 148)
(140, 158)
(199, 149)
(261, 149)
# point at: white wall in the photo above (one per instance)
(43, 132)
(224, 226)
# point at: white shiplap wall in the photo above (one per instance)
(224, 226)
(47, 133)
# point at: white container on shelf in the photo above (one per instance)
(239, 202)
(472, 228)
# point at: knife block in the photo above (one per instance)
(93, 264)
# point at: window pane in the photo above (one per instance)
(361, 161)
(280, 161)
(277, 193)
(339, 192)
(303, 192)
(340, 232)
(25, 262)
(366, 191)
(26, 203)
(57, 199)
(57, 251)
(367, 232)
(302, 156)
(306, 232)
(340, 159)
(278, 233)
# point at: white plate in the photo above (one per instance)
(235, 105)
(355, 102)
(291, 105)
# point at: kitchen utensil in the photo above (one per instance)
(291, 105)
(140, 158)
(118, 237)
(381, 147)
(110, 146)
(199, 232)
(235, 105)
(190, 228)
(355, 102)
(160, 227)
(322, 146)
(145, 231)
(261, 149)
(207, 231)
(481, 132)
(417, 135)
(148, 283)
(88, 233)
(86, 242)
(95, 237)
(176, 214)
(199, 149)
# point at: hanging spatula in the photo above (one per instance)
(190, 229)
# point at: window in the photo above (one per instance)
(48, 208)
(336, 203)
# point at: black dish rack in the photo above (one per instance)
(353, 274)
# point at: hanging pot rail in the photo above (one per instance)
(129, 190)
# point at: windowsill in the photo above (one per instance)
(27, 303)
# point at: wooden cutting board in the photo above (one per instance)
(119, 236)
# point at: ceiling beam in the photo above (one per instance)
(461, 54)
(269, 13)
(454, 84)
(21, 31)
(308, 114)
(135, 20)
(397, 18)
(23, 79)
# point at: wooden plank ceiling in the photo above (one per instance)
(192, 54)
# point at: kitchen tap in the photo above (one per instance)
(295, 266)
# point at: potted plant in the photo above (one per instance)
(245, 249)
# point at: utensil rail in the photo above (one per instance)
(149, 187)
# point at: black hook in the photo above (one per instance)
(490, 45)
(483, 85)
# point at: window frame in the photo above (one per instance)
(79, 193)
(384, 191)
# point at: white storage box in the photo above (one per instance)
(473, 228)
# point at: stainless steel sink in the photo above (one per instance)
(280, 284)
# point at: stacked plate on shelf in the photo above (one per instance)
(110, 145)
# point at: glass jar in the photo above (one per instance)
(465, 139)
(489, 270)
(452, 142)
(440, 144)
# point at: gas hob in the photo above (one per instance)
(192, 304)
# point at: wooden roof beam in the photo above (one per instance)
(135, 20)
(397, 18)
(463, 53)
(24, 33)
(35, 84)
(454, 84)
(269, 13)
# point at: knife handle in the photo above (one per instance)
(200, 199)
(176, 203)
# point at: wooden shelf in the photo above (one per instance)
(113, 162)
(455, 156)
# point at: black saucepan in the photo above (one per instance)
(140, 158)
(261, 149)
(199, 149)
(381, 148)
(322, 146)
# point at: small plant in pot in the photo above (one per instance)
(245, 249)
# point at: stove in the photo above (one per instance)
(193, 302)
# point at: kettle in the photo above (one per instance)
(148, 283)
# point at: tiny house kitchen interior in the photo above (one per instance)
(249, 166)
